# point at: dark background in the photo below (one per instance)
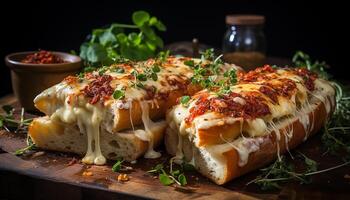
(318, 28)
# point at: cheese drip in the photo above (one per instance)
(88, 118)
(150, 127)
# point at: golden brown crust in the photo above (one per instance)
(156, 111)
(268, 149)
(216, 134)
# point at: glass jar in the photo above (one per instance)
(244, 41)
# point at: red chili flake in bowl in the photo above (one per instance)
(43, 57)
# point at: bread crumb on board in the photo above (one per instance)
(87, 173)
(123, 177)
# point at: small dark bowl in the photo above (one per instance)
(28, 80)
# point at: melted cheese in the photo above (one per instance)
(88, 118)
(150, 128)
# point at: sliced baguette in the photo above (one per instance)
(224, 166)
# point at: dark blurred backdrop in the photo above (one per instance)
(318, 28)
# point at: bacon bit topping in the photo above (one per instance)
(253, 107)
(99, 88)
(43, 57)
(271, 93)
(70, 79)
(176, 80)
(284, 87)
(150, 92)
(89, 75)
(258, 74)
(308, 76)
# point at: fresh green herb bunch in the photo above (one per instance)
(110, 45)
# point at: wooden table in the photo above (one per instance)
(54, 176)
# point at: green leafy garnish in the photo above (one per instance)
(118, 94)
(189, 63)
(9, 123)
(171, 177)
(185, 99)
(182, 179)
(208, 55)
(30, 146)
(165, 179)
(113, 44)
(281, 171)
(117, 166)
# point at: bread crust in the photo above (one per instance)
(125, 119)
(210, 136)
(268, 149)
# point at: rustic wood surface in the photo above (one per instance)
(55, 167)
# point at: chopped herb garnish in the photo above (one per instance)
(118, 70)
(118, 94)
(163, 56)
(185, 99)
(154, 76)
(141, 77)
(208, 54)
(189, 63)
(156, 69)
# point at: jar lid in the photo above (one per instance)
(245, 19)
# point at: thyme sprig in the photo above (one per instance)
(282, 171)
(10, 123)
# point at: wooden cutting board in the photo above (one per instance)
(66, 169)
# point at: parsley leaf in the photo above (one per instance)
(140, 41)
(117, 166)
(118, 94)
(185, 99)
(165, 179)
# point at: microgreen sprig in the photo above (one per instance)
(172, 176)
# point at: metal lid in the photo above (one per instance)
(245, 19)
